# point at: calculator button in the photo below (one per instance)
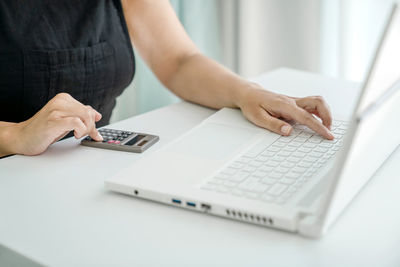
(111, 142)
(117, 142)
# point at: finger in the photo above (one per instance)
(98, 115)
(318, 106)
(307, 119)
(92, 123)
(96, 135)
(265, 120)
(74, 124)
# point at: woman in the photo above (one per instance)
(63, 63)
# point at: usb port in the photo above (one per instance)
(191, 204)
(205, 207)
(176, 201)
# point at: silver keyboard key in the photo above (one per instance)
(273, 149)
(249, 168)
(236, 165)
(229, 171)
(295, 144)
(289, 149)
(277, 189)
(298, 154)
(268, 154)
(287, 164)
(239, 176)
(255, 163)
(281, 169)
(268, 180)
(293, 159)
(260, 174)
(272, 163)
(275, 175)
(287, 181)
(266, 168)
(299, 169)
(292, 175)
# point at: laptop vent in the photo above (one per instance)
(248, 217)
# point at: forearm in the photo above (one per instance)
(203, 81)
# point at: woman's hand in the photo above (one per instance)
(271, 111)
(59, 116)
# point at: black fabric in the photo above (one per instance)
(80, 47)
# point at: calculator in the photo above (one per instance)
(122, 140)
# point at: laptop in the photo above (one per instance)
(228, 167)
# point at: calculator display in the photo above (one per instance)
(134, 140)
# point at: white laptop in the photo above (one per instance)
(228, 167)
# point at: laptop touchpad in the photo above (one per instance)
(214, 141)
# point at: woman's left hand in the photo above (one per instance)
(272, 111)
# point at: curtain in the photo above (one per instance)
(200, 19)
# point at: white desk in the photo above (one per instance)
(54, 210)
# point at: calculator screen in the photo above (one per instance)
(134, 140)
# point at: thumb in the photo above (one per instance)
(275, 125)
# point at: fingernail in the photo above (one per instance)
(99, 136)
(285, 129)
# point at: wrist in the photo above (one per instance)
(242, 93)
(8, 138)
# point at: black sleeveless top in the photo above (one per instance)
(80, 47)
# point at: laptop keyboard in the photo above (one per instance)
(275, 172)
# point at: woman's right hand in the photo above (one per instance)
(56, 119)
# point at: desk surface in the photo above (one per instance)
(54, 210)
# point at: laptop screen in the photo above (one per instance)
(385, 72)
(375, 136)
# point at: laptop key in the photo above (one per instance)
(277, 189)
(256, 150)
(287, 181)
(230, 184)
(229, 171)
(275, 175)
(239, 176)
(236, 165)
(268, 180)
